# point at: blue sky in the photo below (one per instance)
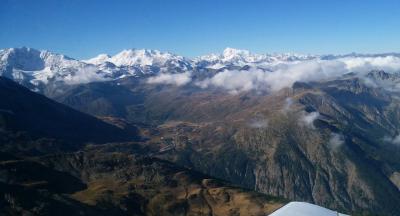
(84, 28)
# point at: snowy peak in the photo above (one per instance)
(100, 59)
(232, 54)
(141, 58)
(238, 57)
(22, 58)
(34, 67)
(29, 59)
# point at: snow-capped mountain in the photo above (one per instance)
(142, 57)
(100, 59)
(35, 68)
(140, 62)
(237, 57)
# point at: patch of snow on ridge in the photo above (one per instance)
(304, 209)
(142, 57)
(100, 59)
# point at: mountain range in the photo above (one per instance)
(39, 69)
(322, 129)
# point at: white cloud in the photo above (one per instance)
(309, 118)
(283, 75)
(84, 75)
(288, 104)
(235, 81)
(336, 140)
(304, 71)
(365, 64)
(258, 123)
(177, 79)
(393, 140)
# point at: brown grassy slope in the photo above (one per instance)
(149, 186)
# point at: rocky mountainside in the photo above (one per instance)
(30, 122)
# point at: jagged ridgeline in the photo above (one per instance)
(320, 129)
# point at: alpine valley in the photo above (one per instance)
(146, 132)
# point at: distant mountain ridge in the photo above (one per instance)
(36, 69)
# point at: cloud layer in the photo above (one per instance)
(393, 140)
(177, 79)
(335, 141)
(284, 75)
(84, 75)
(364, 64)
(258, 123)
(308, 119)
